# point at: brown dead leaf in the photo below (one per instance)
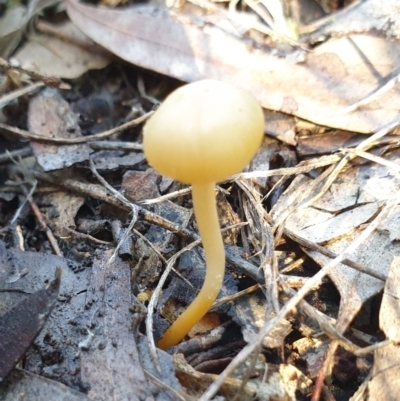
(13, 23)
(63, 211)
(332, 78)
(389, 315)
(109, 356)
(50, 116)
(336, 217)
(206, 324)
(281, 126)
(58, 341)
(313, 352)
(31, 387)
(23, 319)
(384, 385)
(332, 141)
(367, 16)
(51, 55)
(250, 313)
(140, 185)
(149, 263)
(114, 159)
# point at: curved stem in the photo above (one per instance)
(207, 220)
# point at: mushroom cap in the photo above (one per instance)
(204, 131)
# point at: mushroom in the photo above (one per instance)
(203, 133)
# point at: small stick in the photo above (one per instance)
(42, 222)
(26, 134)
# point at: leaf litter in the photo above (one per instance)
(311, 238)
(330, 79)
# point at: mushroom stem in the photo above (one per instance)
(205, 210)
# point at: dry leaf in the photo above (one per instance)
(31, 387)
(63, 211)
(389, 315)
(51, 55)
(149, 263)
(105, 160)
(13, 23)
(140, 185)
(50, 116)
(353, 199)
(367, 16)
(392, 225)
(58, 341)
(110, 361)
(313, 352)
(384, 385)
(332, 78)
(333, 141)
(250, 313)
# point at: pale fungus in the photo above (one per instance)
(203, 133)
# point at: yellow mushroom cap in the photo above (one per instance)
(204, 131)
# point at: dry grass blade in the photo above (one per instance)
(264, 245)
(303, 167)
(7, 156)
(171, 195)
(376, 159)
(6, 99)
(376, 93)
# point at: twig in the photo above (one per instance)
(20, 236)
(233, 297)
(301, 201)
(302, 167)
(326, 322)
(115, 145)
(84, 139)
(27, 194)
(374, 158)
(88, 237)
(5, 99)
(14, 154)
(42, 222)
(163, 198)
